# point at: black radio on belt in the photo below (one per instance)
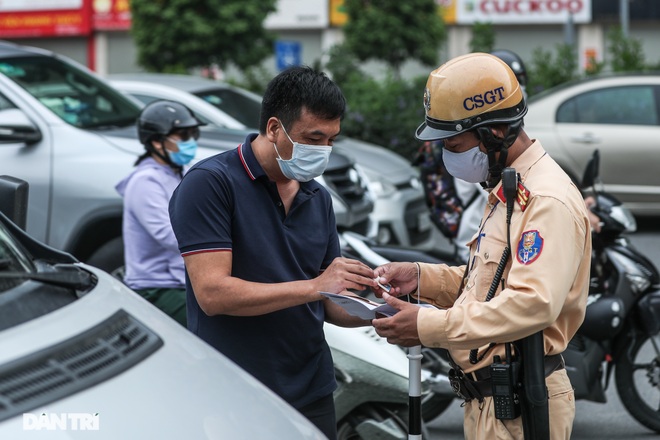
(504, 382)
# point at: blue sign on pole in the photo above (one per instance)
(287, 53)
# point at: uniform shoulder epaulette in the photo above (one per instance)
(522, 195)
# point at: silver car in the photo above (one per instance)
(400, 215)
(616, 114)
(79, 352)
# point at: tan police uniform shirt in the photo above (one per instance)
(546, 280)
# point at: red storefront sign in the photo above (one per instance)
(112, 15)
(29, 18)
(47, 18)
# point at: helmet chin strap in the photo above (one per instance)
(165, 157)
(495, 145)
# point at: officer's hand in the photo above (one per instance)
(401, 276)
(400, 329)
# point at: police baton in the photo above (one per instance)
(415, 393)
(535, 411)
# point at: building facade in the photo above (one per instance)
(97, 32)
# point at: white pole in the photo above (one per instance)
(415, 393)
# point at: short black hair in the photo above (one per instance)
(301, 87)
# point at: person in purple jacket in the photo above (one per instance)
(154, 267)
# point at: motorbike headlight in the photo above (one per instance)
(623, 215)
(365, 182)
(635, 274)
(638, 283)
(377, 184)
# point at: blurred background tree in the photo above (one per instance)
(394, 31)
(177, 35)
(383, 111)
(626, 53)
(483, 38)
(383, 108)
(548, 70)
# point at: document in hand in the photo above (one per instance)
(360, 307)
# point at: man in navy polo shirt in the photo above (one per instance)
(259, 241)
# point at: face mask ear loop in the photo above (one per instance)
(277, 152)
(285, 132)
(289, 138)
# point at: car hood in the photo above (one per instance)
(392, 166)
(210, 142)
(186, 388)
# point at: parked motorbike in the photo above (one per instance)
(435, 361)
(622, 324)
(371, 401)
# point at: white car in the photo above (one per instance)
(617, 114)
(400, 213)
(79, 351)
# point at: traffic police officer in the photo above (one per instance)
(475, 105)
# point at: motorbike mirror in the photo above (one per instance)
(591, 171)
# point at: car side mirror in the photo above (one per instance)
(591, 170)
(15, 126)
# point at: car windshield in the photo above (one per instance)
(12, 259)
(241, 106)
(73, 95)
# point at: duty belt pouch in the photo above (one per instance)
(462, 386)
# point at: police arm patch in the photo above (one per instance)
(529, 247)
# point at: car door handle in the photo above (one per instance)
(587, 138)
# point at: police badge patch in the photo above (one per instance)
(529, 247)
(427, 100)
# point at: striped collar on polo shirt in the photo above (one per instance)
(249, 160)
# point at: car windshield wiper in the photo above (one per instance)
(4, 263)
(77, 279)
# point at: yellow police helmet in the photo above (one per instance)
(468, 92)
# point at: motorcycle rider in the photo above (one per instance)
(154, 268)
(475, 104)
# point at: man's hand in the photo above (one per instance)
(400, 329)
(343, 274)
(594, 220)
(402, 277)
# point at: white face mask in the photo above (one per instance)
(470, 165)
(307, 161)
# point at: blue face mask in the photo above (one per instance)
(186, 153)
(307, 161)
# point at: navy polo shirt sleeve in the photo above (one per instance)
(201, 212)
